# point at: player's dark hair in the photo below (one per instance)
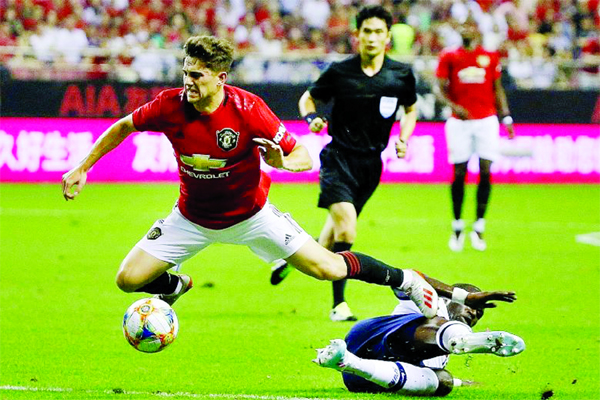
(471, 289)
(374, 12)
(215, 53)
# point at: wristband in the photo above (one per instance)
(507, 120)
(310, 117)
(459, 295)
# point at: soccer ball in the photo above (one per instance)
(150, 325)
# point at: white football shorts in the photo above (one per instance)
(270, 234)
(474, 136)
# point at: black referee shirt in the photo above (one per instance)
(364, 108)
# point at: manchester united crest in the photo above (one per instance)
(227, 139)
(154, 233)
(483, 60)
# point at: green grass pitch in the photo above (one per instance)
(241, 338)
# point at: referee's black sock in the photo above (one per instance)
(339, 287)
(164, 284)
(368, 269)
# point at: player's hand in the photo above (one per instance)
(317, 125)
(510, 129)
(482, 299)
(271, 152)
(74, 178)
(401, 146)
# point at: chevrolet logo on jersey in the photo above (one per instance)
(472, 75)
(202, 162)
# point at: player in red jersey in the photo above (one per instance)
(469, 82)
(218, 133)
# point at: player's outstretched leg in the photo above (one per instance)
(393, 376)
(420, 292)
(502, 344)
(280, 271)
(183, 286)
(367, 269)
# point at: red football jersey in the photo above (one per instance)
(221, 182)
(471, 76)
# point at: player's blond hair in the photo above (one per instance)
(216, 54)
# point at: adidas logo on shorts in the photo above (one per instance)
(288, 239)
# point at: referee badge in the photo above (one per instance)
(387, 106)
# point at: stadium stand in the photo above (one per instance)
(544, 43)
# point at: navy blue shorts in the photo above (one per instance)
(371, 338)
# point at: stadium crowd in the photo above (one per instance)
(544, 43)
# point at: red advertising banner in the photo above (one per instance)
(42, 149)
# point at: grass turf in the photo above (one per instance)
(241, 338)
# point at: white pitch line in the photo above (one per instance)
(158, 394)
(592, 238)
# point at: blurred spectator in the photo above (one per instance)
(403, 37)
(420, 15)
(63, 8)
(92, 14)
(289, 7)
(71, 41)
(589, 76)
(269, 46)
(315, 13)
(560, 40)
(6, 39)
(136, 30)
(230, 12)
(43, 41)
(316, 42)
(338, 24)
(261, 9)
(247, 34)
(152, 65)
(531, 70)
(296, 42)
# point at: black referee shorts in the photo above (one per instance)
(348, 177)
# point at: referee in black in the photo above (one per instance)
(367, 90)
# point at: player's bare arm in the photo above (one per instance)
(503, 110)
(297, 161)
(480, 300)
(308, 109)
(407, 127)
(477, 300)
(110, 139)
(441, 91)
